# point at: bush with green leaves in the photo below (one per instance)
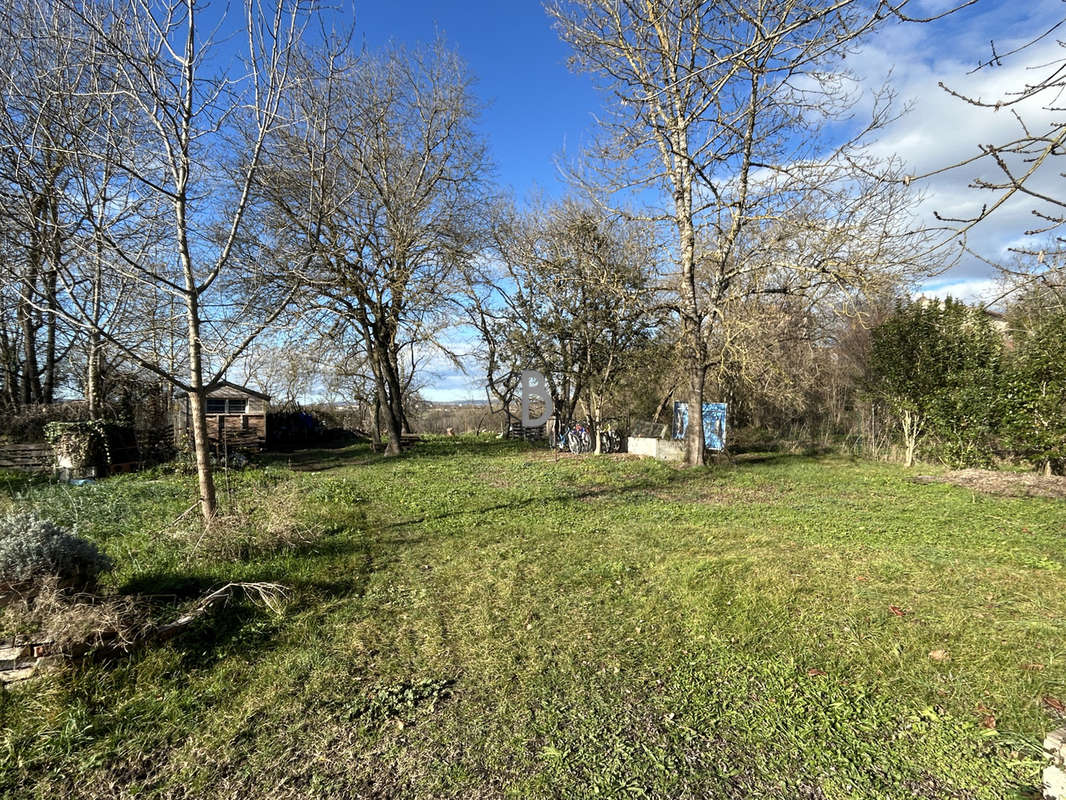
(937, 367)
(1035, 395)
(33, 549)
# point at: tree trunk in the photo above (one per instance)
(375, 432)
(691, 333)
(205, 477)
(9, 366)
(92, 376)
(695, 447)
(910, 437)
(50, 281)
(31, 384)
(596, 410)
(392, 421)
(198, 412)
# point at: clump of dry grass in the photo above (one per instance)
(260, 523)
(1008, 484)
(75, 622)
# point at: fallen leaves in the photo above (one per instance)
(939, 655)
(814, 672)
(1054, 704)
(899, 612)
(987, 719)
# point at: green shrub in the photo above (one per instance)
(1035, 398)
(32, 549)
(937, 367)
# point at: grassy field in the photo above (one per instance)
(477, 619)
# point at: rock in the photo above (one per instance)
(1055, 773)
(1055, 746)
(21, 674)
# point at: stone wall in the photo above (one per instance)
(662, 449)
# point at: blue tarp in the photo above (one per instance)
(713, 424)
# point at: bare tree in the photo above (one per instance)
(44, 114)
(389, 160)
(1026, 168)
(723, 107)
(568, 292)
(182, 151)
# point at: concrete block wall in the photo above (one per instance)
(662, 449)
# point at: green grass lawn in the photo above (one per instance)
(481, 620)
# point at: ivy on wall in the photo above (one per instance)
(81, 444)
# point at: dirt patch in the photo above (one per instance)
(1008, 484)
(496, 480)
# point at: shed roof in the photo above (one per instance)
(233, 387)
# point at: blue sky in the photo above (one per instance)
(535, 107)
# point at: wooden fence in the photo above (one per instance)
(518, 431)
(28, 457)
(129, 453)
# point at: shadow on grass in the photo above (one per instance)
(755, 458)
(238, 630)
(361, 454)
(278, 567)
(337, 567)
(321, 459)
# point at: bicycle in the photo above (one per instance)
(576, 437)
(610, 440)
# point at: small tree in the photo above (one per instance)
(568, 292)
(181, 145)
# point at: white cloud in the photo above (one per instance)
(942, 130)
(979, 290)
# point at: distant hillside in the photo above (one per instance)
(456, 403)
(461, 416)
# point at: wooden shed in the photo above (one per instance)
(236, 416)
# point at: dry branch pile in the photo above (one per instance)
(61, 626)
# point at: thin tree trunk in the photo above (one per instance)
(31, 385)
(48, 387)
(50, 280)
(205, 478)
(376, 422)
(197, 393)
(910, 437)
(92, 375)
(692, 335)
